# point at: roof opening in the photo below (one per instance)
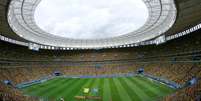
(90, 19)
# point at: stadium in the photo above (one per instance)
(116, 50)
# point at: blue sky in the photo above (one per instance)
(89, 19)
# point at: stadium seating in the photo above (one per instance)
(23, 74)
(178, 72)
(192, 93)
(8, 93)
(174, 49)
(177, 60)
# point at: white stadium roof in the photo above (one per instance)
(162, 15)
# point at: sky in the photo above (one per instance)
(90, 19)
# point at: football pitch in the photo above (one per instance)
(136, 88)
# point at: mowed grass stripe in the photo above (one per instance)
(135, 88)
(106, 90)
(163, 88)
(121, 91)
(88, 84)
(56, 92)
(71, 91)
(129, 90)
(52, 87)
(156, 91)
(94, 86)
(100, 86)
(70, 95)
(143, 86)
(38, 86)
(34, 90)
(114, 92)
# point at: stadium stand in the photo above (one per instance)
(165, 62)
(8, 93)
(191, 93)
(177, 60)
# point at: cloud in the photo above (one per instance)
(90, 19)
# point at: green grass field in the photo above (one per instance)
(110, 89)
